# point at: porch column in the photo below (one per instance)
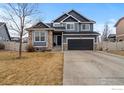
(30, 38)
(50, 39)
(62, 41)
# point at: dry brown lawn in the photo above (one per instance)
(37, 68)
(117, 52)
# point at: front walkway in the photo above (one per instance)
(57, 48)
(92, 68)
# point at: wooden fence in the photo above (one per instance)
(14, 46)
(111, 45)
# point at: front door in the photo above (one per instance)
(59, 40)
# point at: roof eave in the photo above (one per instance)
(33, 29)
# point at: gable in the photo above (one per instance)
(79, 16)
(70, 19)
(61, 18)
(40, 25)
(75, 15)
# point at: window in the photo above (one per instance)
(37, 36)
(85, 27)
(40, 36)
(69, 26)
(57, 24)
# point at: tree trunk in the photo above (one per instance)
(20, 46)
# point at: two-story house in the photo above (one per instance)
(70, 31)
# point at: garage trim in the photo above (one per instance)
(82, 38)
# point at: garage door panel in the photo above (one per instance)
(80, 44)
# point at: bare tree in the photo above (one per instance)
(105, 32)
(105, 35)
(19, 16)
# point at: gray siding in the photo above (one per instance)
(39, 43)
(77, 27)
(61, 18)
(3, 33)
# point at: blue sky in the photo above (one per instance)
(101, 13)
(98, 12)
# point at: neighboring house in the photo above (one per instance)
(71, 31)
(120, 29)
(112, 37)
(4, 33)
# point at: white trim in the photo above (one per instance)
(74, 22)
(59, 17)
(85, 29)
(70, 23)
(46, 38)
(39, 29)
(56, 23)
(68, 17)
(80, 34)
(61, 24)
(46, 24)
(40, 35)
(81, 38)
(87, 22)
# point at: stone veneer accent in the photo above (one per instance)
(65, 46)
(50, 40)
(30, 38)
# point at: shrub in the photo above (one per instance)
(2, 46)
(30, 49)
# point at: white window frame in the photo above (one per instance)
(85, 29)
(60, 24)
(72, 24)
(40, 36)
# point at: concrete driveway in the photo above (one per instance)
(92, 68)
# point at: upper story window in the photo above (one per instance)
(85, 27)
(40, 36)
(69, 26)
(57, 24)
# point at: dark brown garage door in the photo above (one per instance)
(80, 44)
